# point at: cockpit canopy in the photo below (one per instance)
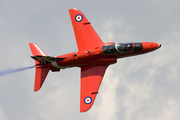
(124, 47)
(121, 48)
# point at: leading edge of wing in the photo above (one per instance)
(91, 77)
(86, 36)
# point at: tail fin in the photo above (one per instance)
(41, 72)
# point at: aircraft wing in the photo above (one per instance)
(86, 36)
(91, 77)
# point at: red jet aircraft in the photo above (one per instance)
(93, 57)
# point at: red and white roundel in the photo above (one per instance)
(88, 100)
(79, 18)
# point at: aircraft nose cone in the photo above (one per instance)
(149, 46)
(159, 45)
(155, 45)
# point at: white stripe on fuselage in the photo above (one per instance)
(54, 64)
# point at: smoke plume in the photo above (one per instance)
(9, 71)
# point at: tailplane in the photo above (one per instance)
(41, 72)
(40, 76)
(36, 51)
(40, 60)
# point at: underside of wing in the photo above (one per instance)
(86, 36)
(91, 77)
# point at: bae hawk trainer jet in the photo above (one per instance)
(93, 57)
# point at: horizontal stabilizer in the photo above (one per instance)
(46, 59)
(40, 76)
(36, 51)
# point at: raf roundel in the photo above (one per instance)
(79, 18)
(88, 100)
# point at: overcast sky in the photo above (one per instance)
(145, 87)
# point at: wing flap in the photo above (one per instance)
(91, 77)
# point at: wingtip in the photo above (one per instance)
(84, 110)
(74, 9)
(36, 88)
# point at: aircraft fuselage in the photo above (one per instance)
(103, 55)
